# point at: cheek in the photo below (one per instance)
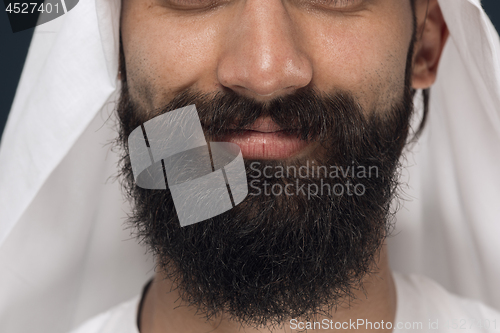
(165, 56)
(368, 58)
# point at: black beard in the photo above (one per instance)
(276, 257)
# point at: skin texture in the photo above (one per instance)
(263, 49)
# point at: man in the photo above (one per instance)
(290, 83)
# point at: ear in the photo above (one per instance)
(432, 34)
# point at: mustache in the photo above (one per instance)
(335, 119)
(307, 113)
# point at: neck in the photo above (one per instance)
(164, 312)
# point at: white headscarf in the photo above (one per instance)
(64, 253)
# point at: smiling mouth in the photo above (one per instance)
(266, 140)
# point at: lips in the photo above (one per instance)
(265, 140)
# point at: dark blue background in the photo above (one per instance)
(14, 47)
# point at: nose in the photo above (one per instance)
(262, 56)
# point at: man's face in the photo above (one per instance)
(338, 72)
(266, 48)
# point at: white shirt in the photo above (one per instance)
(422, 306)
